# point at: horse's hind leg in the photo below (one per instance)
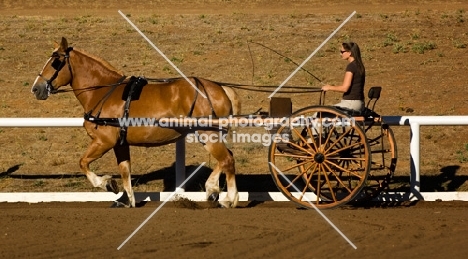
(212, 184)
(96, 150)
(225, 164)
(122, 153)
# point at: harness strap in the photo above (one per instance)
(114, 122)
(106, 96)
(213, 113)
(135, 85)
(192, 107)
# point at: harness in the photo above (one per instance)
(131, 93)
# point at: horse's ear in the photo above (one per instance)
(64, 43)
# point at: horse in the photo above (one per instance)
(101, 90)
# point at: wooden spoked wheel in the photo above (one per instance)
(384, 158)
(320, 158)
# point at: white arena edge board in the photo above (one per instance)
(36, 197)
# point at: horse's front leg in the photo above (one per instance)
(96, 150)
(122, 153)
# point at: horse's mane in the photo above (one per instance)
(100, 60)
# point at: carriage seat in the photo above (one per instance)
(368, 111)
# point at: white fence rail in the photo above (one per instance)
(40, 122)
(413, 121)
(78, 122)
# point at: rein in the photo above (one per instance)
(254, 88)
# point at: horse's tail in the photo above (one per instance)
(234, 98)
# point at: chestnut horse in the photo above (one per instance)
(100, 89)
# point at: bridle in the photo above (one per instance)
(58, 64)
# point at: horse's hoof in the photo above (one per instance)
(118, 204)
(225, 204)
(112, 186)
(213, 196)
(213, 199)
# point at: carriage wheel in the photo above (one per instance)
(319, 158)
(384, 158)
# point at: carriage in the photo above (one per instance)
(319, 157)
(332, 155)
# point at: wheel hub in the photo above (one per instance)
(319, 158)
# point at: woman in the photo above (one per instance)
(354, 79)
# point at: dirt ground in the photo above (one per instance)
(255, 230)
(416, 50)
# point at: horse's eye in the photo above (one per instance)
(56, 64)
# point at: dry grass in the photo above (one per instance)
(417, 53)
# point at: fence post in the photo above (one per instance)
(180, 165)
(415, 179)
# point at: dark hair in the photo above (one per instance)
(356, 54)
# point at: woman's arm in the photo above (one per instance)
(340, 88)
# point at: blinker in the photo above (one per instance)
(56, 64)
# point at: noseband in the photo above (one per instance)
(58, 64)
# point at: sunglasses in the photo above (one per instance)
(343, 51)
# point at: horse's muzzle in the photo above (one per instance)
(40, 91)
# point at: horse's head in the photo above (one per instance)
(53, 75)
